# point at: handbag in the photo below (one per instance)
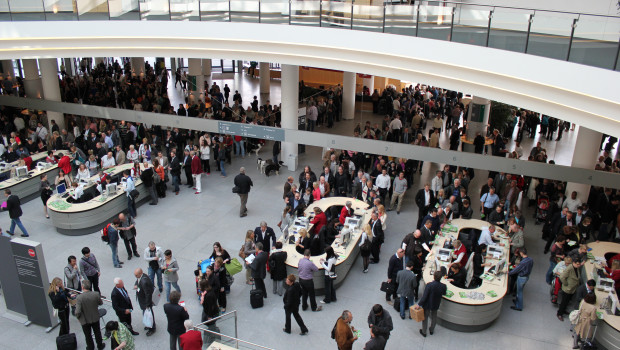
(235, 189)
(242, 252)
(365, 246)
(234, 267)
(134, 194)
(387, 287)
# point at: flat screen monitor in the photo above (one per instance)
(111, 189)
(21, 171)
(61, 189)
(606, 284)
(352, 222)
(444, 254)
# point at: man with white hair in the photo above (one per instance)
(191, 339)
(121, 303)
(243, 184)
(263, 234)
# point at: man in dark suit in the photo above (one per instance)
(430, 301)
(341, 182)
(424, 199)
(87, 312)
(378, 237)
(287, 186)
(121, 303)
(144, 290)
(329, 177)
(176, 315)
(13, 205)
(427, 234)
(376, 342)
(263, 234)
(306, 183)
(291, 305)
(297, 205)
(187, 166)
(259, 268)
(302, 175)
(395, 265)
(432, 216)
(175, 172)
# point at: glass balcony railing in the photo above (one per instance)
(588, 39)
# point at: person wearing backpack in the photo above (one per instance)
(111, 232)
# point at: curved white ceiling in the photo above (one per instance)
(581, 94)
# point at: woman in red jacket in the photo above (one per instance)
(65, 163)
(319, 220)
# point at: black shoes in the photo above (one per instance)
(303, 332)
(150, 332)
(423, 334)
(285, 331)
(515, 308)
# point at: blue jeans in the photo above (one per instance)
(168, 286)
(175, 182)
(131, 207)
(222, 167)
(549, 275)
(405, 304)
(18, 222)
(521, 281)
(114, 247)
(151, 274)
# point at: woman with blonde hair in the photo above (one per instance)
(60, 301)
(248, 248)
(303, 242)
(92, 165)
(382, 216)
(365, 245)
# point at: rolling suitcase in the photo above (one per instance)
(256, 298)
(66, 342)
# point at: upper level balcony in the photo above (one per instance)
(589, 39)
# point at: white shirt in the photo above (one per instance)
(572, 204)
(427, 198)
(107, 162)
(78, 192)
(396, 124)
(485, 238)
(436, 184)
(383, 181)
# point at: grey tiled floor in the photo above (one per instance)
(188, 224)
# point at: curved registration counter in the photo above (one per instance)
(608, 328)
(75, 219)
(28, 187)
(469, 310)
(346, 253)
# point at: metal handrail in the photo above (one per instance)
(201, 327)
(80, 292)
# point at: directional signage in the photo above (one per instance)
(253, 131)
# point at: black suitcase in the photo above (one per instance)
(66, 342)
(256, 298)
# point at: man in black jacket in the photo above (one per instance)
(378, 237)
(291, 305)
(259, 268)
(341, 183)
(380, 319)
(13, 205)
(431, 299)
(121, 303)
(147, 179)
(144, 290)
(264, 234)
(175, 171)
(395, 265)
(176, 315)
(187, 166)
(243, 183)
(424, 199)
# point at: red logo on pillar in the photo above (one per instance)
(31, 253)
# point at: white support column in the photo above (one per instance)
(32, 81)
(137, 66)
(51, 89)
(265, 76)
(584, 156)
(348, 95)
(196, 80)
(290, 93)
(173, 66)
(206, 68)
(7, 68)
(477, 120)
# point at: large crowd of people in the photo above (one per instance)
(90, 145)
